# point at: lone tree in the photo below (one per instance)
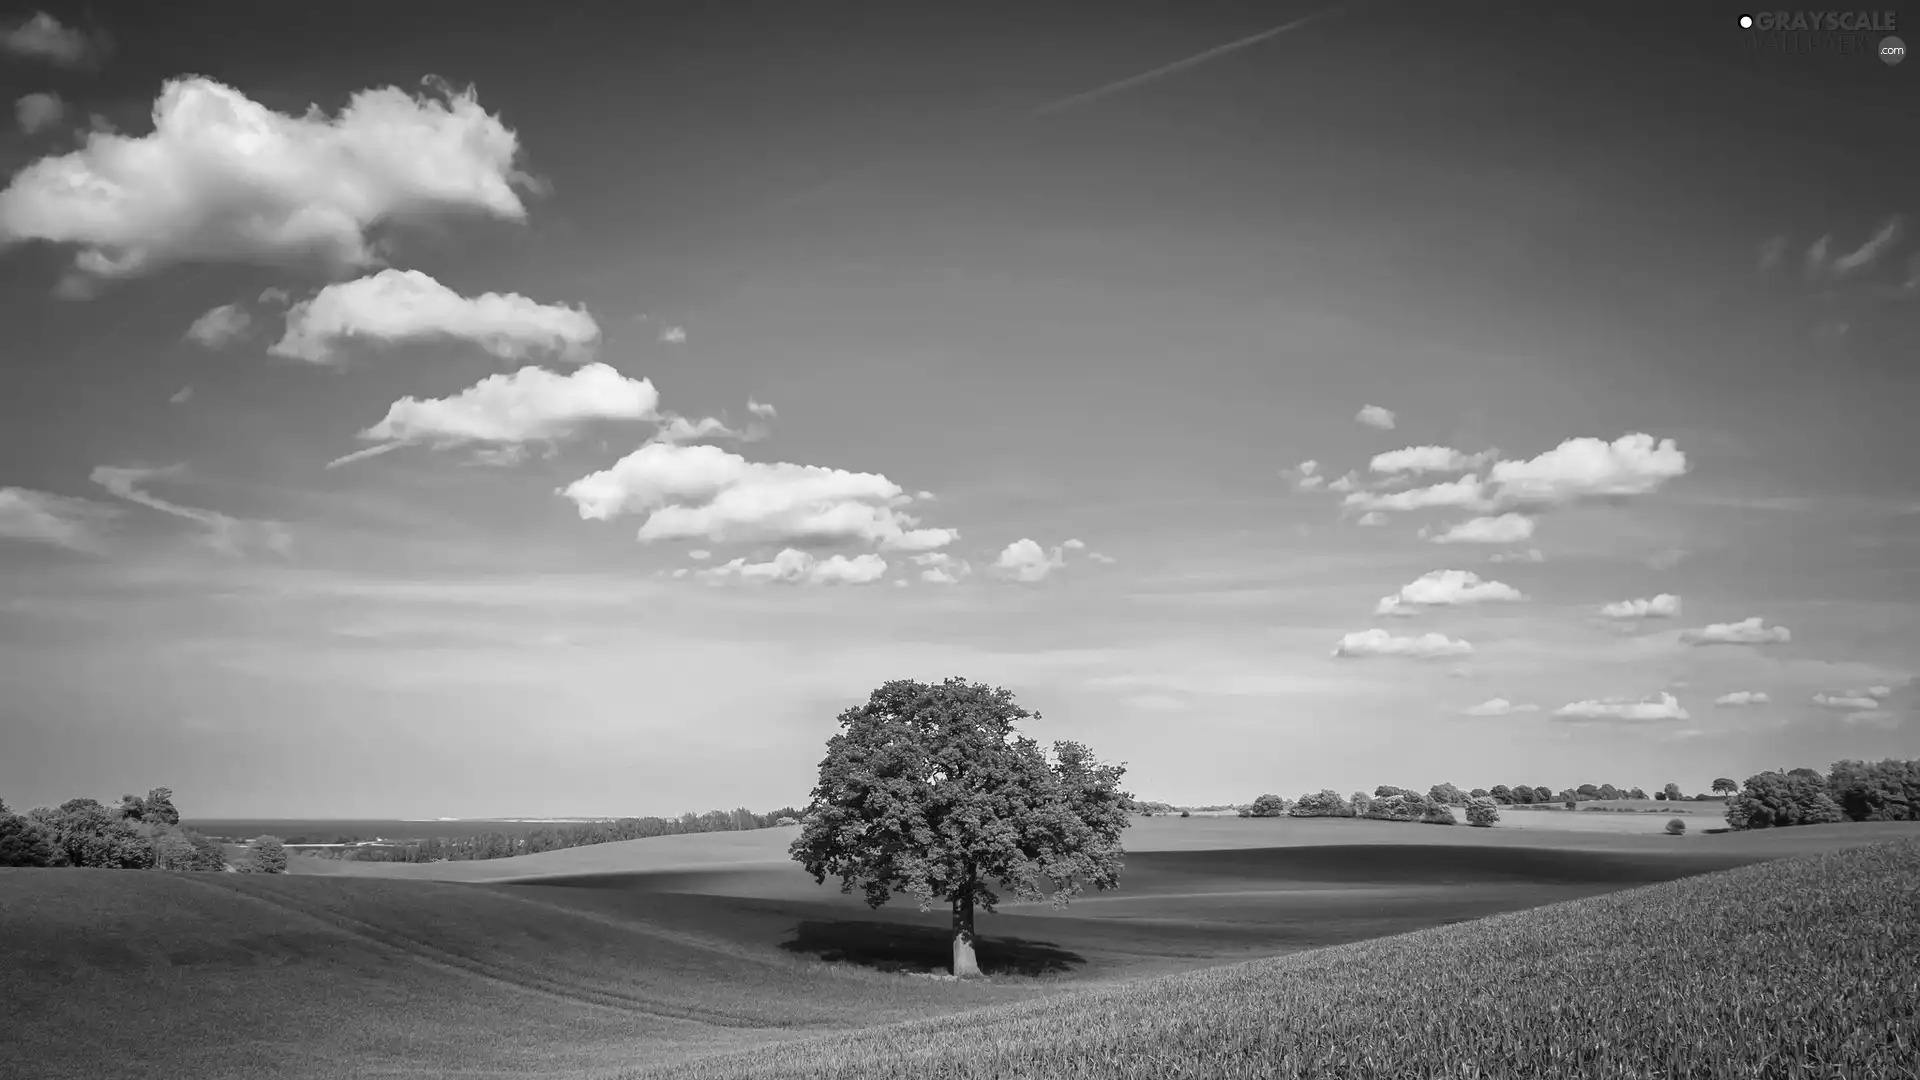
(1725, 786)
(931, 790)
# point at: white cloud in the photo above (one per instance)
(1380, 643)
(1743, 697)
(1664, 707)
(223, 178)
(674, 335)
(532, 404)
(1419, 459)
(795, 567)
(1867, 699)
(42, 37)
(679, 429)
(1375, 416)
(1662, 606)
(1750, 631)
(761, 409)
(1305, 476)
(1073, 545)
(45, 518)
(1816, 260)
(1466, 493)
(1530, 555)
(1347, 482)
(220, 327)
(1442, 588)
(942, 568)
(397, 306)
(1103, 559)
(690, 492)
(224, 533)
(1372, 518)
(1881, 242)
(1582, 468)
(1666, 559)
(1504, 529)
(181, 396)
(37, 112)
(699, 554)
(1024, 560)
(1498, 707)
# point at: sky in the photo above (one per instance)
(554, 414)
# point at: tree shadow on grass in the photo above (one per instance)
(886, 946)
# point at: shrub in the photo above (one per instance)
(1437, 813)
(1570, 804)
(1483, 812)
(786, 821)
(1445, 793)
(1361, 803)
(1676, 827)
(1324, 803)
(1773, 800)
(1186, 813)
(266, 855)
(1268, 806)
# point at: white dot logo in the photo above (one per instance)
(1746, 22)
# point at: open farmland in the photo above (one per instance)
(652, 952)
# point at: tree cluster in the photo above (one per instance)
(141, 833)
(498, 845)
(1886, 790)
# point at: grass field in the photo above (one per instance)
(659, 953)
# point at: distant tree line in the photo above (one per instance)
(497, 845)
(138, 834)
(1887, 790)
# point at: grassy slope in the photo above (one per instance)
(215, 976)
(769, 846)
(1803, 968)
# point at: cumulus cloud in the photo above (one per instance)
(1305, 476)
(529, 405)
(1073, 545)
(222, 178)
(37, 112)
(704, 492)
(1466, 493)
(1749, 631)
(1663, 606)
(1632, 464)
(1664, 707)
(220, 327)
(1378, 642)
(224, 533)
(940, 568)
(795, 567)
(1530, 555)
(674, 335)
(1024, 560)
(1498, 707)
(1504, 529)
(1371, 519)
(45, 518)
(1102, 558)
(761, 409)
(398, 306)
(1442, 588)
(42, 37)
(1375, 416)
(1347, 482)
(1424, 459)
(1742, 697)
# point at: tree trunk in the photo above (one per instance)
(964, 964)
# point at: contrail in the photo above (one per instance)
(361, 455)
(1178, 65)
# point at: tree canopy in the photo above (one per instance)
(930, 790)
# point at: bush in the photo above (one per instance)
(1483, 812)
(1570, 804)
(1676, 827)
(266, 855)
(1437, 813)
(1186, 813)
(786, 821)
(1324, 803)
(1361, 803)
(1268, 806)
(1772, 800)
